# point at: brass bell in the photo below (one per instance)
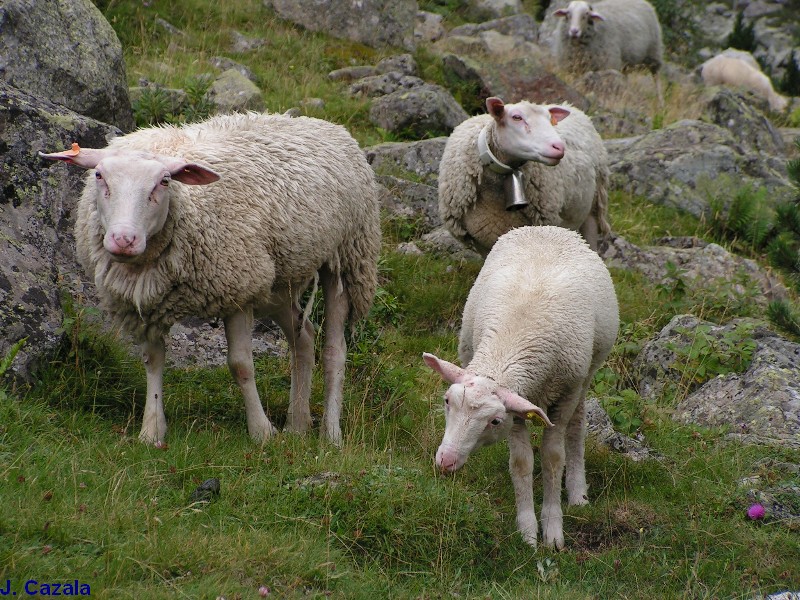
(513, 185)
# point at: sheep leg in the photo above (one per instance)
(520, 465)
(154, 423)
(239, 333)
(577, 490)
(553, 458)
(337, 307)
(590, 230)
(299, 333)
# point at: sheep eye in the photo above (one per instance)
(496, 422)
(517, 117)
(97, 175)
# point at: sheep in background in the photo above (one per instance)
(539, 321)
(736, 68)
(296, 200)
(562, 160)
(611, 34)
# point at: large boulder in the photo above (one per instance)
(418, 111)
(681, 164)
(67, 52)
(420, 158)
(700, 364)
(375, 23)
(37, 211)
(749, 126)
(702, 268)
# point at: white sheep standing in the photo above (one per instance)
(735, 68)
(296, 201)
(562, 160)
(539, 321)
(610, 34)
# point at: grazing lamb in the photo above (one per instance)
(611, 34)
(296, 200)
(735, 68)
(539, 321)
(557, 151)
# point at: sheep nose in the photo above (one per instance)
(446, 461)
(558, 147)
(574, 32)
(123, 240)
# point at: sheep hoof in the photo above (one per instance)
(262, 433)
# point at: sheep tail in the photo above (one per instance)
(358, 257)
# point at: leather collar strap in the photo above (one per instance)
(487, 158)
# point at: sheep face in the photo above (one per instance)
(478, 412)
(131, 191)
(526, 132)
(580, 19)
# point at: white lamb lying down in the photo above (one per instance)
(538, 323)
(295, 200)
(735, 68)
(561, 158)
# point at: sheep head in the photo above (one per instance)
(131, 191)
(478, 412)
(580, 18)
(526, 132)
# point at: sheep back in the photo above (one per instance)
(295, 194)
(629, 36)
(542, 314)
(471, 197)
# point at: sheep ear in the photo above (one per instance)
(558, 114)
(596, 16)
(561, 12)
(517, 404)
(496, 107)
(450, 373)
(188, 173)
(86, 158)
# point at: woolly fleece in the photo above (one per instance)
(471, 198)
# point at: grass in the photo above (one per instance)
(80, 497)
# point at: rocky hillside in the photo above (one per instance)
(406, 77)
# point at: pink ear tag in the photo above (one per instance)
(553, 121)
(74, 151)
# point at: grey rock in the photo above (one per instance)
(417, 202)
(418, 112)
(677, 165)
(514, 79)
(398, 63)
(68, 53)
(428, 27)
(601, 430)
(376, 23)
(760, 405)
(37, 215)
(312, 103)
(749, 126)
(232, 92)
(704, 268)
(441, 241)
(420, 158)
(168, 27)
(521, 27)
(494, 8)
(241, 44)
(223, 63)
(352, 73)
(382, 85)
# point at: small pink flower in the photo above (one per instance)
(263, 591)
(756, 511)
